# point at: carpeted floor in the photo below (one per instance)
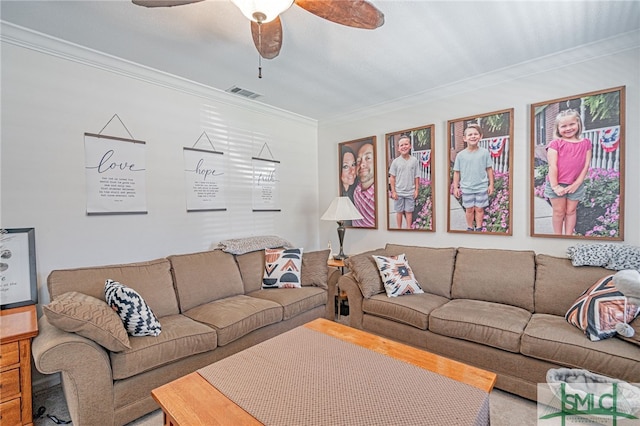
(506, 409)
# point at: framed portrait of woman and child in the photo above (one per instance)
(577, 166)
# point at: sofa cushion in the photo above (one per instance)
(413, 310)
(492, 324)
(136, 315)
(251, 266)
(293, 302)
(204, 277)
(152, 280)
(365, 270)
(597, 311)
(559, 283)
(282, 268)
(551, 338)
(89, 317)
(397, 277)
(181, 337)
(512, 276)
(433, 267)
(315, 271)
(236, 316)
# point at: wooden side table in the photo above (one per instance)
(341, 300)
(17, 327)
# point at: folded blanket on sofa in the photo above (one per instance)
(249, 244)
(610, 256)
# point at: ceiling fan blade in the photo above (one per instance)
(267, 38)
(163, 3)
(352, 13)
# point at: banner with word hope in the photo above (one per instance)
(205, 174)
(266, 185)
(115, 174)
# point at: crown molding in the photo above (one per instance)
(43, 43)
(587, 52)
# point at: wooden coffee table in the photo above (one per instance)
(192, 400)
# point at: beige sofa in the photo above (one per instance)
(500, 310)
(210, 305)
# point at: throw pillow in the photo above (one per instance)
(89, 317)
(282, 268)
(315, 269)
(599, 309)
(397, 275)
(134, 312)
(365, 271)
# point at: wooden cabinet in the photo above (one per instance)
(17, 327)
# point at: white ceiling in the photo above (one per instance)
(324, 69)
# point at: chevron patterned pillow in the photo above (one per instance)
(599, 309)
(397, 276)
(282, 268)
(136, 315)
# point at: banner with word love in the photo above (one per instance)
(115, 175)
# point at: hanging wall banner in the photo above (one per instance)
(205, 173)
(266, 185)
(115, 173)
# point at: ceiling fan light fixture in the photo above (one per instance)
(262, 11)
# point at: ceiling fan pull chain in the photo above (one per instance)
(260, 45)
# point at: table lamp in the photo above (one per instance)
(341, 209)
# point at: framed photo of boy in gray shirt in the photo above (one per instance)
(480, 173)
(410, 172)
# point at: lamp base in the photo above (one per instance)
(340, 256)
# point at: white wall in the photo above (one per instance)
(53, 92)
(611, 63)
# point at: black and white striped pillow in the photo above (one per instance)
(136, 315)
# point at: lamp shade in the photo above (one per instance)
(267, 10)
(341, 208)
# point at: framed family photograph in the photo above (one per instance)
(577, 166)
(18, 283)
(480, 173)
(410, 172)
(357, 179)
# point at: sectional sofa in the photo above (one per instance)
(209, 304)
(500, 310)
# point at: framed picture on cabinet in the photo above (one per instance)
(357, 179)
(480, 173)
(577, 166)
(18, 283)
(410, 183)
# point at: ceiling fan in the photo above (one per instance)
(266, 27)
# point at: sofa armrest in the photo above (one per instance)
(85, 368)
(332, 290)
(348, 284)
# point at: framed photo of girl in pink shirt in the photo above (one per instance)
(577, 166)
(357, 179)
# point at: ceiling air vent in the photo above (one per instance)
(243, 92)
